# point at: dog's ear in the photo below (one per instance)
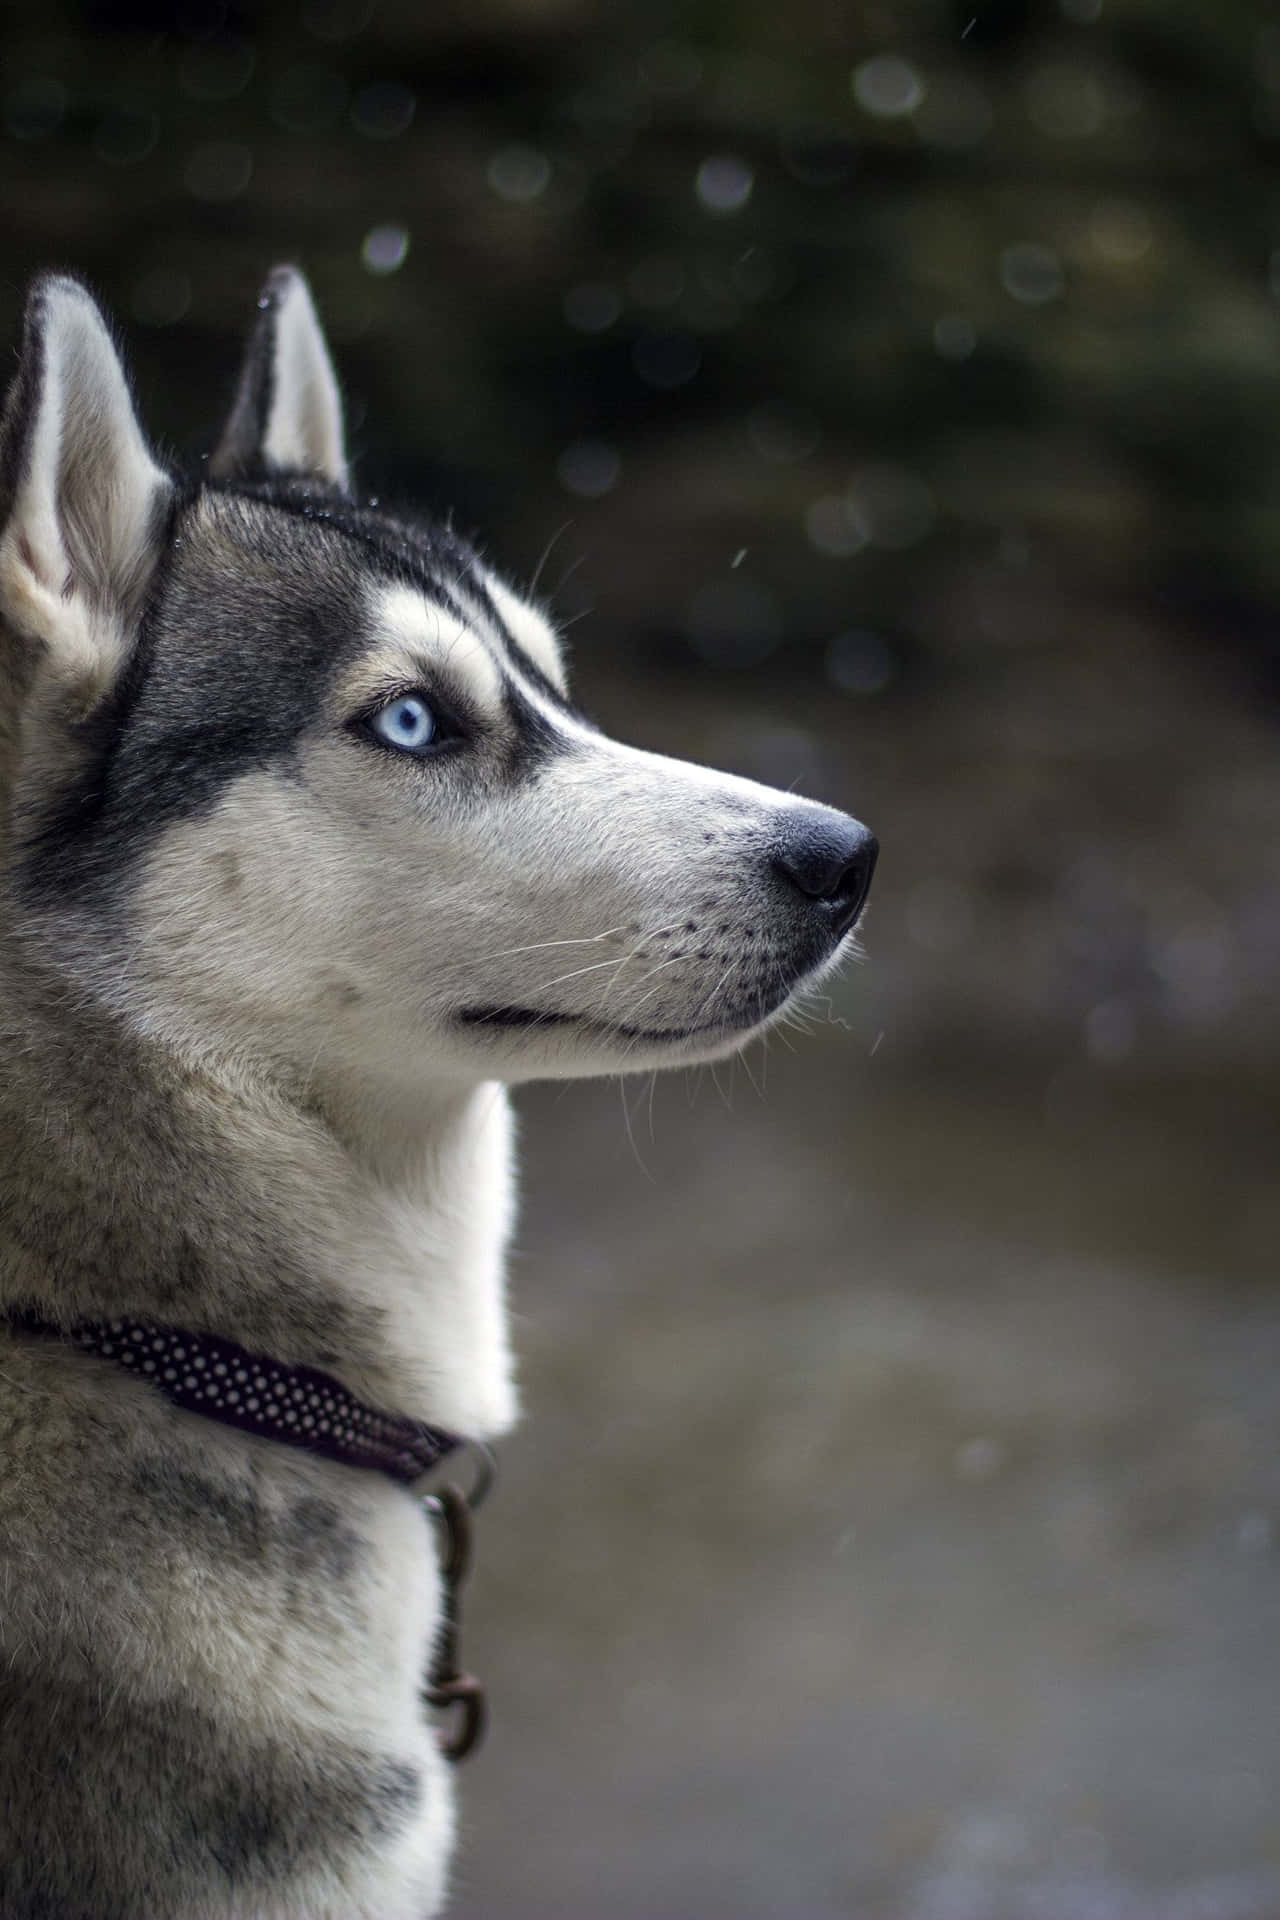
(287, 414)
(81, 498)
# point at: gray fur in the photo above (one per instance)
(263, 978)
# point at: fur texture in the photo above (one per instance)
(266, 967)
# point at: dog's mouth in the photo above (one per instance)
(742, 1016)
(531, 1020)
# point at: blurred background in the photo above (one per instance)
(886, 396)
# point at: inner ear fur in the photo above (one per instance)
(287, 414)
(82, 500)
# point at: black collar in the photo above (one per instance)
(203, 1373)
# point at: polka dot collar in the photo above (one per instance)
(203, 1373)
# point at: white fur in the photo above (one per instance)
(429, 635)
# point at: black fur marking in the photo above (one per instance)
(536, 739)
(115, 1808)
(529, 1019)
(550, 692)
(315, 1532)
(224, 1514)
(23, 399)
(308, 1535)
(514, 1017)
(240, 454)
(527, 665)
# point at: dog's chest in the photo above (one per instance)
(262, 1627)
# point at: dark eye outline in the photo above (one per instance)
(448, 736)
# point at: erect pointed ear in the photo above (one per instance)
(81, 497)
(287, 416)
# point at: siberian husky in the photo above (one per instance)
(307, 857)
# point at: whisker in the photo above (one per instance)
(746, 1068)
(637, 949)
(635, 1005)
(560, 531)
(577, 973)
(540, 946)
(564, 580)
(626, 1114)
(697, 1018)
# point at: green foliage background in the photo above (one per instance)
(866, 306)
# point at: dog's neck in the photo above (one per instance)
(355, 1229)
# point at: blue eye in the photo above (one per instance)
(406, 722)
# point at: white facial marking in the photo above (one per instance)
(405, 616)
(530, 631)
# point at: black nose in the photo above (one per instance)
(831, 859)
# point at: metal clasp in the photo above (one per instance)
(447, 1685)
(464, 1691)
(484, 1467)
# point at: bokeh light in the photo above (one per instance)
(888, 86)
(724, 183)
(385, 249)
(519, 173)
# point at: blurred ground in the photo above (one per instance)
(893, 1531)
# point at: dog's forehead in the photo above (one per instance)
(369, 579)
(250, 597)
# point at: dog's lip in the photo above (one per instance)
(534, 1019)
(528, 1018)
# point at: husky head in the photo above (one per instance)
(299, 780)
